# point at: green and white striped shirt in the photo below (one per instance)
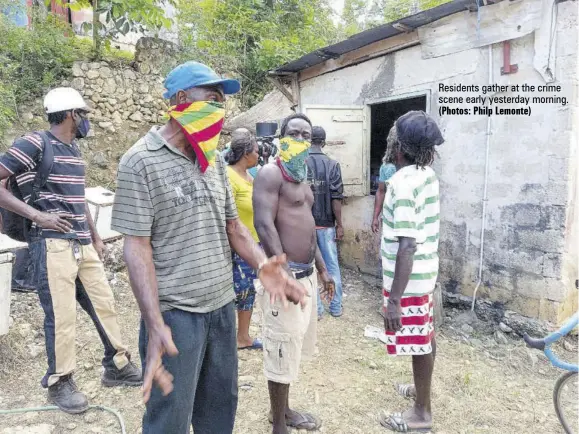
(412, 210)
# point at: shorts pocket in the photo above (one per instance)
(55, 245)
(277, 347)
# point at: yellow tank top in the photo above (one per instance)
(243, 192)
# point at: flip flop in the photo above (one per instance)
(396, 422)
(307, 422)
(407, 391)
(256, 345)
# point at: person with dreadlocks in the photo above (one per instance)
(410, 236)
(283, 219)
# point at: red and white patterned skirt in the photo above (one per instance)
(415, 336)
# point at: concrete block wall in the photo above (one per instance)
(530, 252)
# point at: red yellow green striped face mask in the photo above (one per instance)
(201, 121)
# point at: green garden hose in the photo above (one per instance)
(54, 407)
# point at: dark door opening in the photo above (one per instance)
(382, 117)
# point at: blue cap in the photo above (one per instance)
(194, 74)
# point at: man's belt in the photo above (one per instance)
(303, 273)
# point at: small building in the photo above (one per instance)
(508, 181)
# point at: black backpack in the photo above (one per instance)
(14, 225)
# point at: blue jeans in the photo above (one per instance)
(205, 374)
(329, 249)
(22, 270)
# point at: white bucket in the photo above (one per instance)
(100, 202)
(6, 260)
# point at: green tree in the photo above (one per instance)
(353, 17)
(359, 15)
(247, 38)
(398, 9)
(114, 17)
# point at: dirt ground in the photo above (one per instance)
(480, 386)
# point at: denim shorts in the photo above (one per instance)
(243, 277)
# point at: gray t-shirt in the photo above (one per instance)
(163, 195)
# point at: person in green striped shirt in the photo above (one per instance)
(409, 248)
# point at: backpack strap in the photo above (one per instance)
(43, 168)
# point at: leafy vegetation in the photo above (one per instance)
(34, 59)
(395, 10)
(119, 17)
(360, 15)
(247, 38)
(243, 38)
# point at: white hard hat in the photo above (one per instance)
(63, 99)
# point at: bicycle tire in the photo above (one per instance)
(557, 396)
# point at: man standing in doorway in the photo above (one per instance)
(65, 249)
(282, 204)
(175, 206)
(325, 179)
(410, 260)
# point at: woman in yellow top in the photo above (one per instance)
(243, 155)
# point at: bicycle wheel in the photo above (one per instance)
(565, 400)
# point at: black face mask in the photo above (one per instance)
(82, 127)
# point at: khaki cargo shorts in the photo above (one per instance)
(288, 335)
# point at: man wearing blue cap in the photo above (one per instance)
(174, 204)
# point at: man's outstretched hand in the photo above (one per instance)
(279, 284)
(160, 342)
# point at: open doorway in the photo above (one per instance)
(382, 117)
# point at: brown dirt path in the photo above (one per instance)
(479, 386)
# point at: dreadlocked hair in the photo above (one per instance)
(420, 156)
(291, 117)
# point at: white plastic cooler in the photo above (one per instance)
(6, 260)
(7, 245)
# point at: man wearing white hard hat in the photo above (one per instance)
(65, 248)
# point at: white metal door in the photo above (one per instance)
(347, 139)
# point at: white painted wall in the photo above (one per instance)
(529, 218)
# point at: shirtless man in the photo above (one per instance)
(282, 204)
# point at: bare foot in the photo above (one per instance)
(416, 419)
(244, 341)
